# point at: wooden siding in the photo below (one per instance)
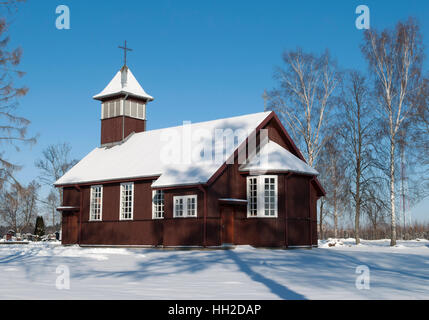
(111, 128)
(298, 199)
(142, 230)
(71, 197)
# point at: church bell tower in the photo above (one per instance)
(123, 106)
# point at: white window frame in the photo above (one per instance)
(91, 208)
(155, 207)
(260, 198)
(249, 202)
(121, 201)
(185, 200)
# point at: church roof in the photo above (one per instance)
(123, 82)
(146, 154)
(273, 157)
(164, 154)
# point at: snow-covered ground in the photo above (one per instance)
(328, 272)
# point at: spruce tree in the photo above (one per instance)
(40, 227)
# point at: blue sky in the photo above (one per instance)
(201, 60)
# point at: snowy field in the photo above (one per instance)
(402, 272)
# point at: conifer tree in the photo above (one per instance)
(40, 227)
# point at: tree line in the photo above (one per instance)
(21, 205)
(365, 131)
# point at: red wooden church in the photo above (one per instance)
(239, 180)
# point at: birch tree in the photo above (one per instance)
(331, 166)
(357, 135)
(305, 97)
(420, 136)
(395, 58)
(337, 197)
(322, 214)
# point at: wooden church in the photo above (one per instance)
(234, 181)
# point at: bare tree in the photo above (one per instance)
(323, 210)
(403, 144)
(337, 197)
(374, 205)
(420, 137)
(395, 56)
(422, 111)
(322, 214)
(305, 97)
(331, 166)
(411, 169)
(13, 128)
(51, 204)
(18, 206)
(55, 162)
(356, 132)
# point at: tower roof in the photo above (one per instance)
(123, 82)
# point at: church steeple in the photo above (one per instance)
(123, 82)
(123, 107)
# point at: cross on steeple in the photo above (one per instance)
(125, 52)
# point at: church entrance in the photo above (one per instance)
(70, 228)
(227, 224)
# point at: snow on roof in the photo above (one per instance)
(123, 82)
(273, 157)
(163, 153)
